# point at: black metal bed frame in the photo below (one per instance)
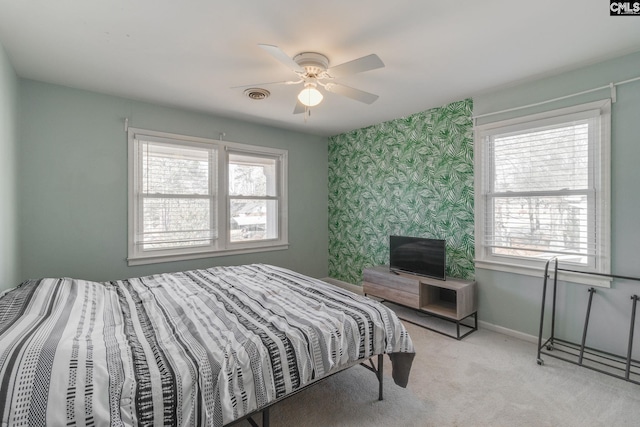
(618, 366)
(378, 370)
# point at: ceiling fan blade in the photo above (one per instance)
(299, 107)
(286, 82)
(282, 57)
(366, 63)
(349, 92)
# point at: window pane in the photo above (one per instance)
(168, 169)
(540, 226)
(176, 222)
(253, 220)
(252, 175)
(542, 160)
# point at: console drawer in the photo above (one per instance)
(409, 299)
(399, 282)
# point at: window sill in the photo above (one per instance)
(156, 259)
(584, 279)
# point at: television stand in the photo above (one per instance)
(453, 300)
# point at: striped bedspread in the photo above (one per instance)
(201, 347)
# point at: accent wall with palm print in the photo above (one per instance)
(411, 176)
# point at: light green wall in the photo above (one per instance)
(9, 259)
(410, 176)
(513, 301)
(73, 184)
(71, 177)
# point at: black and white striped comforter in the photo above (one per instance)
(202, 347)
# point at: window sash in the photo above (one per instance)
(254, 233)
(558, 212)
(207, 236)
(528, 141)
(269, 162)
(593, 253)
(149, 148)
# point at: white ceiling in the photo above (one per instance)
(190, 53)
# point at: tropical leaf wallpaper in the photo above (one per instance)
(411, 176)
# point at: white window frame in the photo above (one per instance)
(222, 245)
(600, 153)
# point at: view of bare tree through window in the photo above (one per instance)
(541, 191)
(247, 180)
(176, 196)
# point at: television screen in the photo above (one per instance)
(426, 257)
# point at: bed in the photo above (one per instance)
(200, 347)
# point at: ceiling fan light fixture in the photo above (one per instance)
(310, 96)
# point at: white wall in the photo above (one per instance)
(9, 262)
(513, 301)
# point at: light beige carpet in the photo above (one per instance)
(487, 379)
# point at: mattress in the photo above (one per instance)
(192, 348)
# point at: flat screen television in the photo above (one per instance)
(418, 255)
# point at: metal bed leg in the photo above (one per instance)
(380, 368)
(631, 327)
(265, 410)
(586, 325)
(252, 422)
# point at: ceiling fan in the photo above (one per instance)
(313, 72)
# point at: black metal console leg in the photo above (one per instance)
(265, 417)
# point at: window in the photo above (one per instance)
(195, 197)
(542, 190)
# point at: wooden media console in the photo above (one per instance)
(453, 299)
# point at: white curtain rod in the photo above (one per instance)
(611, 86)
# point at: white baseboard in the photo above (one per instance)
(507, 331)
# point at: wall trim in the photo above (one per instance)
(506, 331)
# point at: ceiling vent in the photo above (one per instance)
(257, 93)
